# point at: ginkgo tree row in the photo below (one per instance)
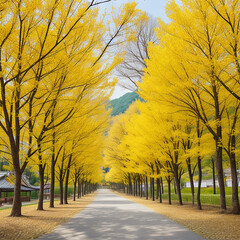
(191, 89)
(55, 68)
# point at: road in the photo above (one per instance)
(111, 217)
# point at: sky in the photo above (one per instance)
(156, 8)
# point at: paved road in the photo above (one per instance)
(111, 217)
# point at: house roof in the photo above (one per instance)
(3, 174)
(25, 182)
(7, 186)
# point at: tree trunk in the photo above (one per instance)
(129, 184)
(150, 181)
(162, 185)
(83, 188)
(86, 187)
(199, 183)
(213, 174)
(74, 190)
(146, 188)
(235, 199)
(191, 179)
(41, 191)
(135, 185)
(160, 192)
(134, 191)
(199, 168)
(179, 191)
(16, 209)
(66, 188)
(169, 190)
(67, 179)
(220, 177)
(139, 187)
(79, 189)
(177, 184)
(218, 141)
(61, 190)
(52, 177)
(153, 190)
(158, 188)
(175, 189)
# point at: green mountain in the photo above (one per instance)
(120, 105)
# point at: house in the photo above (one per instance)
(228, 177)
(209, 183)
(7, 185)
(204, 183)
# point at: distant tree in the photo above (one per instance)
(130, 71)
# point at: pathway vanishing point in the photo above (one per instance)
(111, 217)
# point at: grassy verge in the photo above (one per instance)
(207, 196)
(209, 199)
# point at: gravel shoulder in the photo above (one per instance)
(209, 222)
(36, 223)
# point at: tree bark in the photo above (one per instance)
(218, 141)
(79, 189)
(139, 187)
(153, 190)
(158, 188)
(130, 184)
(41, 191)
(162, 185)
(134, 191)
(169, 190)
(177, 184)
(199, 183)
(74, 190)
(235, 198)
(146, 188)
(220, 177)
(190, 174)
(66, 180)
(61, 190)
(52, 186)
(83, 188)
(160, 192)
(150, 182)
(175, 188)
(16, 209)
(199, 167)
(213, 174)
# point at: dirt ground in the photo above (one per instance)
(35, 223)
(209, 223)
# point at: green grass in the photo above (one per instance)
(70, 190)
(207, 196)
(228, 190)
(209, 199)
(25, 205)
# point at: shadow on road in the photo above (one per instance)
(111, 217)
